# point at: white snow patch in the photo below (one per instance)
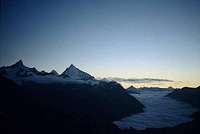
(76, 74)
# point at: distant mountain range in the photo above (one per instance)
(186, 94)
(19, 73)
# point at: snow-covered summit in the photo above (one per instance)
(18, 70)
(20, 73)
(19, 63)
(76, 74)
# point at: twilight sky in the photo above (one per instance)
(106, 38)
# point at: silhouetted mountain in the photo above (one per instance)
(70, 108)
(186, 94)
(54, 72)
(133, 90)
(34, 102)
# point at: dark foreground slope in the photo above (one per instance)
(71, 108)
(189, 95)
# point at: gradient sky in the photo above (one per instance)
(118, 38)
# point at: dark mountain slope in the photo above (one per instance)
(70, 108)
(189, 95)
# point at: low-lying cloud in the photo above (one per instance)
(139, 80)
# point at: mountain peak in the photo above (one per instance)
(75, 73)
(72, 66)
(54, 72)
(19, 63)
(131, 86)
(134, 90)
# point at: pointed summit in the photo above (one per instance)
(76, 74)
(19, 63)
(131, 87)
(72, 67)
(133, 90)
(54, 72)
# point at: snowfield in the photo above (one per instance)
(159, 111)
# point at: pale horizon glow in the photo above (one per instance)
(165, 84)
(106, 38)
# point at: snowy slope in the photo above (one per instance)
(76, 74)
(19, 73)
(18, 70)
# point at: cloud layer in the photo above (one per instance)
(139, 80)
